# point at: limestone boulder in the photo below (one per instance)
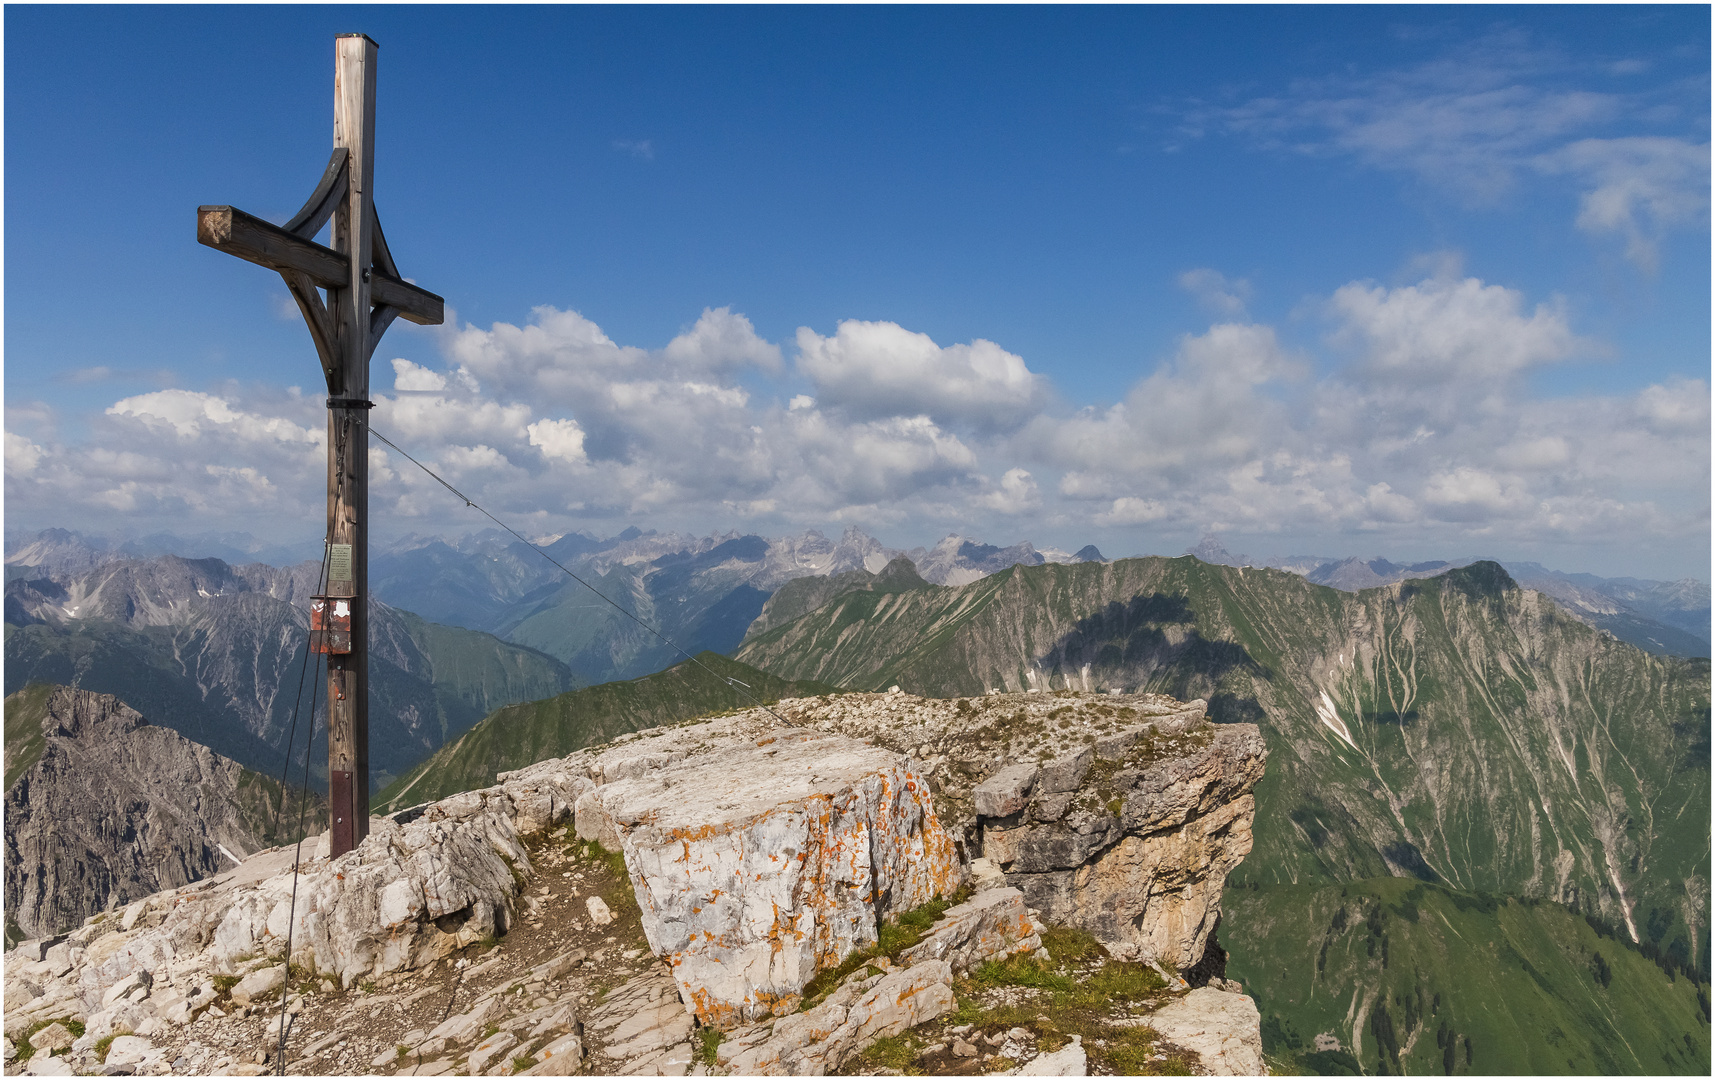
(55, 1036)
(1224, 1029)
(259, 983)
(760, 854)
(1006, 792)
(1142, 855)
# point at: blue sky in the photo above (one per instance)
(1421, 282)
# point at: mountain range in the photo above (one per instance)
(1666, 617)
(216, 652)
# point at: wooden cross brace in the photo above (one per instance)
(364, 294)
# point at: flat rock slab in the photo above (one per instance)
(641, 1019)
(1224, 1029)
(991, 926)
(1069, 1060)
(862, 1010)
(760, 853)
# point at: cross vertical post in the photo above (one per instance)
(364, 294)
(348, 444)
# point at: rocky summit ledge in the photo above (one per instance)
(772, 898)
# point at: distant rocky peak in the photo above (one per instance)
(1211, 550)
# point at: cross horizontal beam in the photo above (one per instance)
(231, 230)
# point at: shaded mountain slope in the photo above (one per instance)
(523, 734)
(103, 808)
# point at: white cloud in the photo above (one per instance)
(189, 413)
(1440, 329)
(1487, 114)
(1016, 493)
(22, 455)
(1642, 185)
(412, 377)
(883, 369)
(559, 439)
(1426, 434)
(722, 341)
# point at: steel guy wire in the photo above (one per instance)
(468, 501)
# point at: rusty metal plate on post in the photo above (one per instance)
(330, 624)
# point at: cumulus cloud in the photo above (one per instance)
(411, 377)
(559, 439)
(881, 368)
(1421, 426)
(1442, 329)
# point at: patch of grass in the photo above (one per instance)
(1068, 943)
(896, 1053)
(1026, 970)
(708, 1043)
(489, 1032)
(1077, 985)
(520, 1063)
(223, 984)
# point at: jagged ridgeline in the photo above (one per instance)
(519, 735)
(1457, 730)
(103, 808)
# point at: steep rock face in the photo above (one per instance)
(750, 846)
(103, 808)
(1122, 815)
(761, 853)
(1138, 849)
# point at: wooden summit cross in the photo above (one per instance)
(364, 294)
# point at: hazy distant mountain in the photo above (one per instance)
(54, 552)
(215, 652)
(957, 560)
(1670, 618)
(702, 593)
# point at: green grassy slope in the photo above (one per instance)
(1420, 979)
(25, 711)
(523, 734)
